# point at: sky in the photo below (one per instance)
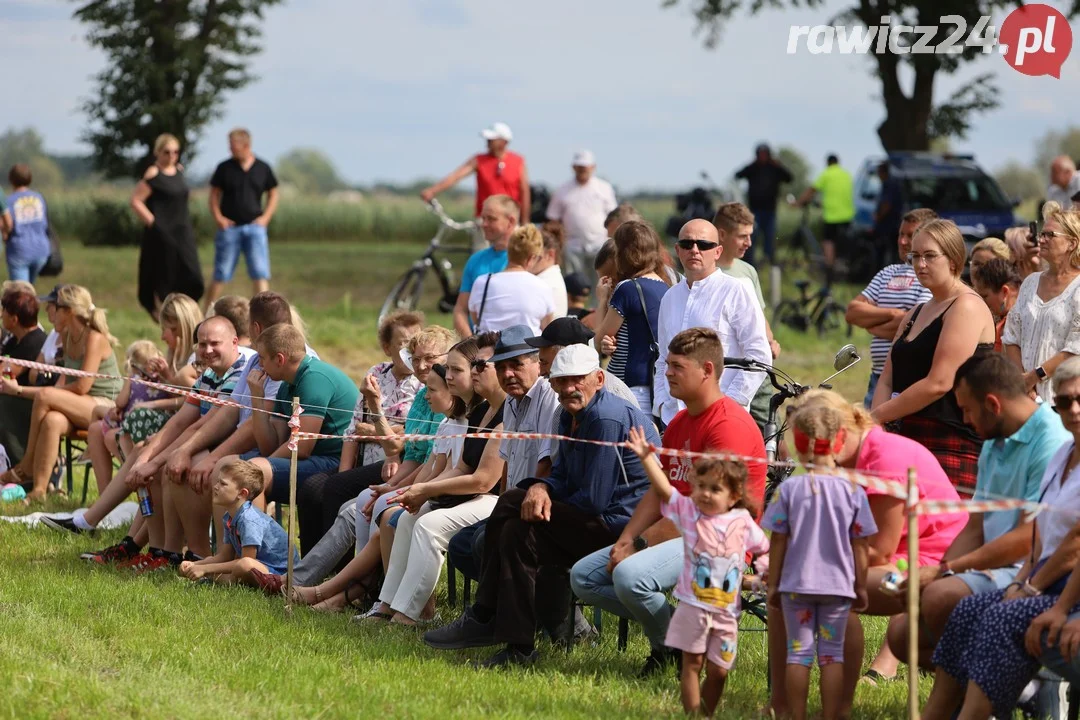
(399, 90)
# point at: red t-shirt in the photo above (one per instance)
(724, 427)
(491, 179)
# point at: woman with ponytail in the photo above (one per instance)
(69, 406)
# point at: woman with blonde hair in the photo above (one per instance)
(915, 392)
(69, 406)
(986, 250)
(1024, 250)
(168, 261)
(1042, 330)
(514, 296)
(867, 447)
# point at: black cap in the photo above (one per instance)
(577, 284)
(562, 331)
(1076, 197)
(53, 296)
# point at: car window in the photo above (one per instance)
(870, 187)
(975, 193)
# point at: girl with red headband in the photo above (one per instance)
(818, 560)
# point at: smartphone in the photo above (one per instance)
(1033, 233)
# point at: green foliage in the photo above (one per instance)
(1054, 143)
(797, 164)
(309, 170)
(26, 146)
(169, 66)
(1021, 182)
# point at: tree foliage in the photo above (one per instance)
(310, 170)
(170, 63)
(799, 167)
(912, 119)
(1021, 182)
(27, 146)
(1054, 143)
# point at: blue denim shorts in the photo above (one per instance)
(25, 269)
(279, 467)
(985, 581)
(250, 239)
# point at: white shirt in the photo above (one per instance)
(513, 298)
(532, 413)
(1063, 495)
(51, 348)
(724, 304)
(1064, 197)
(1043, 329)
(451, 447)
(582, 209)
(553, 278)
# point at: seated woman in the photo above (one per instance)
(352, 585)
(459, 497)
(179, 316)
(395, 387)
(1041, 331)
(514, 296)
(982, 661)
(19, 318)
(997, 283)
(69, 406)
(869, 448)
(914, 395)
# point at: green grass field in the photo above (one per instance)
(78, 641)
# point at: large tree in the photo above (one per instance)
(170, 63)
(912, 119)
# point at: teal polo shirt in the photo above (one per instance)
(325, 392)
(1014, 466)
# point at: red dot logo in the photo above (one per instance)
(1036, 40)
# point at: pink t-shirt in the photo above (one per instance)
(890, 455)
(714, 553)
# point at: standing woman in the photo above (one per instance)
(69, 406)
(1043, 329)
(914, 394)
(25, 227)
(168, 261)
(632, 315)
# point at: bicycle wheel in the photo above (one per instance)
(789, 313)
(405, 295)
(830, 317)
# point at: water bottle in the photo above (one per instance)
(146, 504)
(890, 584)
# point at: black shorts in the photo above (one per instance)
(835, 232)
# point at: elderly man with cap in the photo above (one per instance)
(498, 172)
(580, 507)
(582, 205)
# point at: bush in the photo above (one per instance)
(108, 223)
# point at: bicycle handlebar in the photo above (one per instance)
(790, 388)
(435, 207)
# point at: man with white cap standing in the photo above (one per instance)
(582, 205)
(580, 507)
(498, 172)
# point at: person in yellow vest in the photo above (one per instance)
(836, 188)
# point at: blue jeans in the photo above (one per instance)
(250, 239)
(1052, 659)
(636, 590)
(869, 399)
(466, 550)
(764, 232)
(25, 269)
(279, 468)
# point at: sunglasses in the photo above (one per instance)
(701, 245)
(1064, 403)
(479, 365)
(499, 169)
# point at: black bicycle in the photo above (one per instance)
(406, 292)
(818, 310)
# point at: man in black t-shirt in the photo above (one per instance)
(236, 196)
(763, 179)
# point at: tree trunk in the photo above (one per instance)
(907, 119)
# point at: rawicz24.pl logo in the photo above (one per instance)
(1034, 39)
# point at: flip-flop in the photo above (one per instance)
(874, 678)
(377, 615)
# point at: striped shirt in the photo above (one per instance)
(897, 288)
(210, 384)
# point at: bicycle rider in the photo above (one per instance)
(836, 188)
(498, 172)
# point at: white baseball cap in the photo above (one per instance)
(575, 360)
(584, 158)
(498, 131)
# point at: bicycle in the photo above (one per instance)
(407, 291)
(857, 254)
(819, 310)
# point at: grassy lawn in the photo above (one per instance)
(89, 642)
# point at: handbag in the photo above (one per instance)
(55, 264)
(483, 300)
(654, 347)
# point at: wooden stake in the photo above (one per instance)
(292, 518)
(913, 597)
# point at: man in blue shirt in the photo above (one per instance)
(889, 211)
(579, 508)
(498, 220)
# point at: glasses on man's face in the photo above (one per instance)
(916, 258)
(702, 245)
(479, 365)
(1064, 403)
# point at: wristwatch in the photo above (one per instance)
(1040, 373)
(946, 571)
(640, 543)
(1030, 590)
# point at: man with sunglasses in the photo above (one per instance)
(709, 298)
(498, 172)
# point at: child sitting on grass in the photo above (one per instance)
(817, 566)
(717, 533)
(253, 546)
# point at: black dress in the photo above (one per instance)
(168, 261)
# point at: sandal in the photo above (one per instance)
(874, 678)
